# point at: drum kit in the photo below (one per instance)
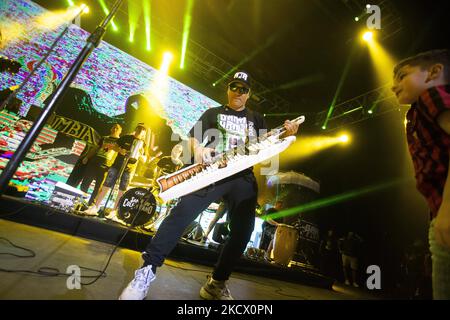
(140, 206)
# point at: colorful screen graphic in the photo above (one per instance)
(103, 92)
(109, 76)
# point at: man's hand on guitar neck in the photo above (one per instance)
(203, 155)
(291, 128)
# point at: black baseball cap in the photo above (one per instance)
(241, 77)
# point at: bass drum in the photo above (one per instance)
(138, 205)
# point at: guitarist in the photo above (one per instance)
(222, 127)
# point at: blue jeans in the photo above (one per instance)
(240, 194)
(440, 257)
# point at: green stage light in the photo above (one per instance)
(186, 30)
(147, 20)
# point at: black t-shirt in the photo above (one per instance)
(125, 142)
(223, 128)
(163, 138)
(231, 127)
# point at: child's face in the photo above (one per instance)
(409, 83)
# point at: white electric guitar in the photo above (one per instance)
(198, 176)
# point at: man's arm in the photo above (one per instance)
(442, 222)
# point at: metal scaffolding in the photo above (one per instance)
(365, 106)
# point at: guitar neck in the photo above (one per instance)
(273, 134)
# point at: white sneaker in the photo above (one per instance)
(215, 290)
(347, 283)
(91, 211)
(137, 289)
(355, 285)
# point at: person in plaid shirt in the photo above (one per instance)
(423, 82)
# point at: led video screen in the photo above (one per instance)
(109, 77)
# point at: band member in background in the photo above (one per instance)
(79, 169)
(123, 147)
(269, 228)
(99, 160)
(173, 162)
(217, 125)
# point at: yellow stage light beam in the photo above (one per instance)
(167, 60)
(50, 20)
(383, 63)
(159, 85)
(306, 147)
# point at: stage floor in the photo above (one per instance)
(176, 280)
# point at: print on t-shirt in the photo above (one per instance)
(234, 131)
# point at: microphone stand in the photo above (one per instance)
(43, 59)
(119, 177)
(92, 42)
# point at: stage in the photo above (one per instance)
(110, 232)
(178, 279)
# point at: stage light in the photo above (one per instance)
(214, 84)
(368, 6)
(147, 20)
(85, 8)
(370, 112)
(356, 18)
(368, 36)
(134, 12)
(106, 11)
(186, 31)
(167, 60)
(344, 138)
(71, 4)
(324, 127)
